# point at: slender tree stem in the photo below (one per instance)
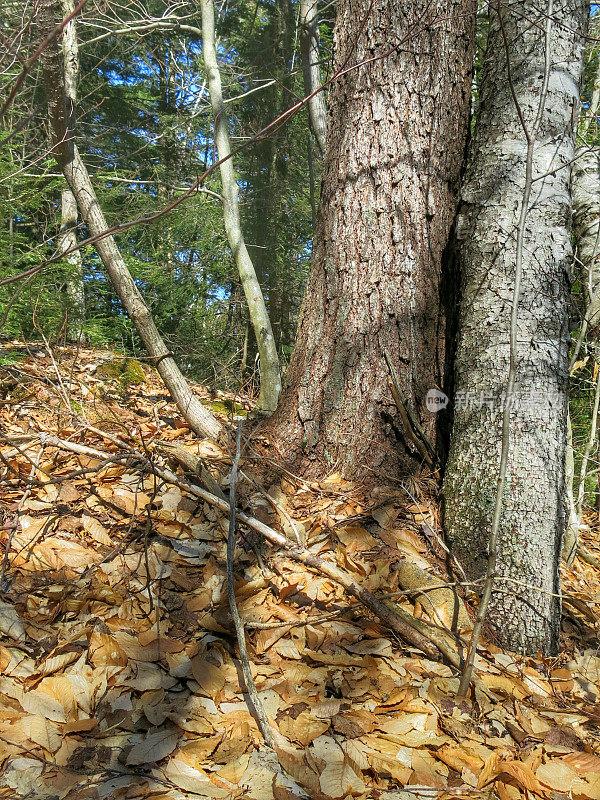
(309, 39)
(263, 722)
(589, 447)
(270, 376)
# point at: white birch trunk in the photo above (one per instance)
(309, 43)
(68, 225)
(586, 229)
(524, 608)
(270, 376)
(586, 233)
(76, 175)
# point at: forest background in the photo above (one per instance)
(145, 134)
(145, 131)
(155, 98)
(418, 260)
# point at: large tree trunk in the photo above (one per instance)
(311, 71)
(514, 220)
(270, 378)
(398, 126)
(68, 224)
(76, 175)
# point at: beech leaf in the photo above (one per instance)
(153, 748)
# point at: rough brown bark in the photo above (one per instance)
(397, 133)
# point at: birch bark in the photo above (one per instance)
(68, 225)
(270, 377)
(524, 607)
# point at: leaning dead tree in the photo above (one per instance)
(270, 376)
(62, 122)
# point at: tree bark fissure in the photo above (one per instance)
(493, 194)
(396, 139)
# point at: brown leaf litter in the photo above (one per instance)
(120, 676)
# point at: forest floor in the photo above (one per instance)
(120, 676)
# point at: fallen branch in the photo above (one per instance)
(194, 464)
(411, 630)
(351, 609)
(586, 556)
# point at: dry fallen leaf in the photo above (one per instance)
(208, 675)
(96, 530)
(304, 728)
(10, 623)
(154, 747)
(191, 779)
(124, 638)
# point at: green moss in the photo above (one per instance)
(126, 371)
(228, 407)
(8, 357)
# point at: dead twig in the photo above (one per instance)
(277, 506)
(586, 556)
(263, 722)
(352, 609)
(413, 429)
(411, 630)
(8, 546)
(193, 464)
